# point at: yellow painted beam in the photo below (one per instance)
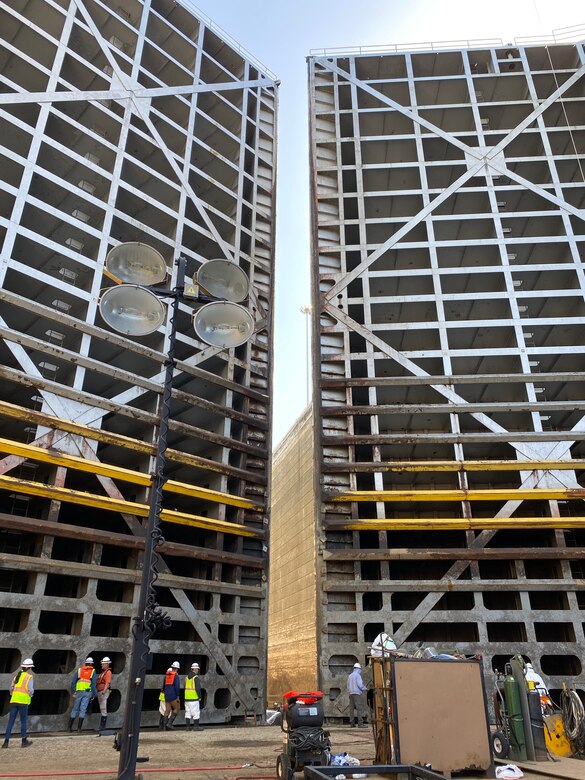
(511, 494)
(460, 524)
(104, 437)
(30, 452)
(117, 505)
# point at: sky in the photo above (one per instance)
(280, 35)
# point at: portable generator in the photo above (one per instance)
(305, 743)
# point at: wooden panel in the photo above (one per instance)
(441, 716)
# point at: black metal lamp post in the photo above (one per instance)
(134, 309)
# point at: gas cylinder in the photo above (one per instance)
(515, 720)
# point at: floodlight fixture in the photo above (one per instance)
(223, 279)
(136, 263)
(132, 310)
(223, 324)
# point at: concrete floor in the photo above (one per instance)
(216, 752)
(229, 753)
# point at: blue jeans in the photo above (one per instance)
(81, 704)
(14, 710)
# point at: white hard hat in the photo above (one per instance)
(89, 660)
(106, 660)
(28, 662)
(357, 666)
(194, 666)
(176, 665)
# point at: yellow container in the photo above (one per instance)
(555, 737)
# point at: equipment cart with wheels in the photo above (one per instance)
(305, 743)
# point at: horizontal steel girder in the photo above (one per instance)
(31, 452)
(510, 494)
(116, 505)
(457, 524)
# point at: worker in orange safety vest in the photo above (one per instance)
(21, 692)
(172, 690)
(83, 689)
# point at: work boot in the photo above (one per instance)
(5, 743)
(189, 724)
(26, 742)
(80, 724)
(103, 721)
(71, 724)
(171, 720)
(197, 726)
(165, 723)
(161, 722)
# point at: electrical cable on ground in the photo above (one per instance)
(81, 773)
(573, 715)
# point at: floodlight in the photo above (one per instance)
(223, 324)
(136, 263)
(132, 310)
(223, 279)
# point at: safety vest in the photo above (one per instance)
(170, 678)
(84, 676)
(190, 689)
(161, 696)
(104, 680)
(20, 694)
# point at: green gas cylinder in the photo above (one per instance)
(515, 719)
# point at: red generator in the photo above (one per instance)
(305, 742)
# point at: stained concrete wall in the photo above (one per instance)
(292, 615)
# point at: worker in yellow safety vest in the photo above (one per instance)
(21, 692)
(192, 698)
(83, 690)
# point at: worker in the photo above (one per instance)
(103, 685)
(535, 681)
(355, 689)
(83, 690)
(172, 691)
(21, 692)
(382, 645)
(192, 698)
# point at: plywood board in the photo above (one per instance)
(441, 716)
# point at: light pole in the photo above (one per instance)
(134, 309)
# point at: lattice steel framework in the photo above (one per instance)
(132, 121)
(449, 282)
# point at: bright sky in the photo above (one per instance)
(280, 35)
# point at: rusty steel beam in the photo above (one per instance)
(458, 554)
(452, 465)
(78, 497)
(54, 456)
(147, 417)
(118, 440)
(490, 494)
(176, 549)
(28, 563)
(446, 437)
(133, 380)
(459, 379)
(496, 406)
(111, 338)
(455, 524)
(452, 585)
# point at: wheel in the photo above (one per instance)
(283, 770)
(500, 744)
